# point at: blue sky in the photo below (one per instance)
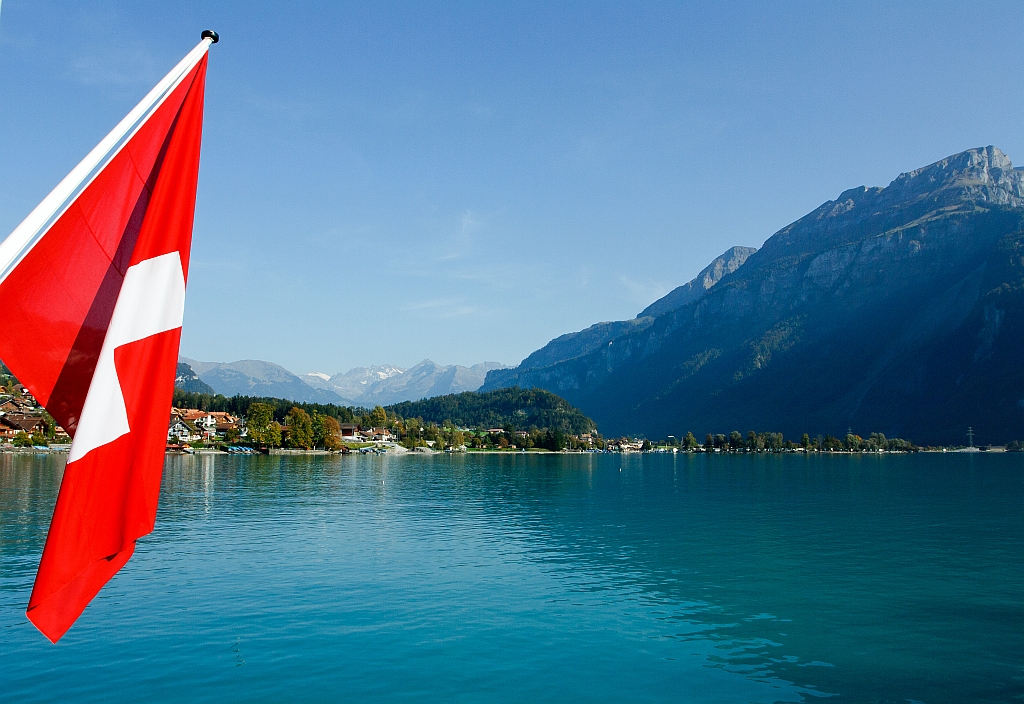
(465, 181)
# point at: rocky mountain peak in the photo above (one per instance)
(952, 186)
(728, 262)
(897, 308)
(984, 173)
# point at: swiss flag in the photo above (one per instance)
(92, 289)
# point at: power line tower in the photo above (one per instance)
(970, 437)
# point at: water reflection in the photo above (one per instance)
(728, 578)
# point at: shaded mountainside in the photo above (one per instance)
(513, 408)
(897, 309)
(187, 380)
(577, 344)
(731, 260)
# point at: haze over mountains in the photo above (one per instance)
(386, 384)
(896, 309)
(362, 386)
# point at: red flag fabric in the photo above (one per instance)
(93, 292)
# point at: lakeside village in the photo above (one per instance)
(267, 428)
(381, 430)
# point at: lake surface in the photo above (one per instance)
(598, 578)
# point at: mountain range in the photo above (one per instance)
(387, 384)
(895, 309)
(362, 386)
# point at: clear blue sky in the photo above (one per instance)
(465, 181)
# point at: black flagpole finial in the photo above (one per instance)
(211, 34)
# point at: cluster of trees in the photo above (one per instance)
(775, 442)
(516, 409)
(417, 432)
(527, 418)
(37, 439)
(534, 438)
(239, 406)
(43, 437)
(300, 430)
(513, 408)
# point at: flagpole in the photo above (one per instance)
(25, 236)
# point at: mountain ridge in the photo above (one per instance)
(576, 344)
(726, 263)
(898, 302)
(361, 386)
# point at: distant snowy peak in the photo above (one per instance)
(386, 383)
(425, 380)
(253, 377)
(318, 380)
(353, 383)
(363, 386)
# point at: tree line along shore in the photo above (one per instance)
(456, 422)
(511, 419)
(505, 419)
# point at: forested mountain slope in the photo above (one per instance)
(517, 409)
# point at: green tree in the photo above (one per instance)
(735, 440)
(300, 429)
(831, 444)
(378, 417)
(263, 429)
(754, 442)
(326, 432)
(805, 442)
(689, 442)
(22, 439)
(709, 442)
(49, 426)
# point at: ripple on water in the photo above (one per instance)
(512, 578)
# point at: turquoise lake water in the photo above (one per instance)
(596, 578)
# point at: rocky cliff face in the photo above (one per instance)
(186, 379)
(730, 261)
(890, 309)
